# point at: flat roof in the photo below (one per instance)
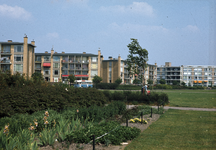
(15, 43)
(64, 54)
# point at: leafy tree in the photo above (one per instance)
(162, 81)
(150, 81)
(97, 79)
(183, 83)
(37, 77)
(71, 78)
(175, 82)
(136, 81)
(137, 57)
(118, 81)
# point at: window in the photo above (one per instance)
(65, 72)
(94, 59)
(37, 66)
(93, 73)
(18, 58)
(84, 66)
(84, 59)
(37, 58)
(85, 73)
(94, 66)
(18, 67)
(56, 58)
(55, 72)
(55, 65)
(6, 49)
(18, 48)
(46, 71)
(55, 79)
(46, 58)
(185, 77)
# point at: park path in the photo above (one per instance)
(179, 108)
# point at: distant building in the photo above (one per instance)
(56, 67)
(17, 56)
(200, 75)
(192, 75)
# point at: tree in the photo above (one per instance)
(71, 78)
(183, 83)
(118, 81)
(37, 77)
(175, 82)
(150, 81)
(136, 81)
(162, 81)
(97, 79)
(137, 57)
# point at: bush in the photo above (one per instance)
(107, 85)
(29, 99)
(118, 135)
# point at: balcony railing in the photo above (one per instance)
(5, 51)
(5, 61)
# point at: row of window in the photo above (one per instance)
(17, 48)
(196, 78)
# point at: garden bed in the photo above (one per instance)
(75, 146)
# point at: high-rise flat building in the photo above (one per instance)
(56, 67)
(18, 56)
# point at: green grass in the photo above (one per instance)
(178, 129)
(191, 98)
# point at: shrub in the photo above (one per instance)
(29, 99)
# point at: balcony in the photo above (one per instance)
(64, 68)
(47, 60)
(64, 61)
(5, 62)
(6, 52)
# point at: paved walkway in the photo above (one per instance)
(180, 108)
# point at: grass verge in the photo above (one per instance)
(192, 98)
(177, 129)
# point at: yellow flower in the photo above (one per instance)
(36, 124)
(46, 113)
(46, 122)
(45, 118)
(31, 128)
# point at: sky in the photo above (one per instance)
(182, 32)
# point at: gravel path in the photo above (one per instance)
(180, 108)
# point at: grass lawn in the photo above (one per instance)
(178, 129)
(191, 98)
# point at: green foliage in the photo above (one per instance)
(136, 81)
(137, 57)
(37, 77)
(150, 81)
(119, 134)
(162, 81)
(183, 83)
(107, 85)
(96, 79)
(136, 97)
(175, 83)
(71, 78)
(118, 81)
(44, 96)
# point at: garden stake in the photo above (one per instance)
(126, 122)
(93, 142)
(141, 117)
(151, 112)
(158, 107)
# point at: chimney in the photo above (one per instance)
(84, 52)
(155, 64)
(52, 51)
(33, 42)
(55, 52)
(10, 41)
(63, 52)
(110, 58)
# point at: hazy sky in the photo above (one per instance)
(182, 32)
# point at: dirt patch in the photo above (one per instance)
(74, 146)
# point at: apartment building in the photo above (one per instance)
(112, 69)
(115, 68)
(56, 67)
(18, 57)
(199, 75)
(169, 73)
